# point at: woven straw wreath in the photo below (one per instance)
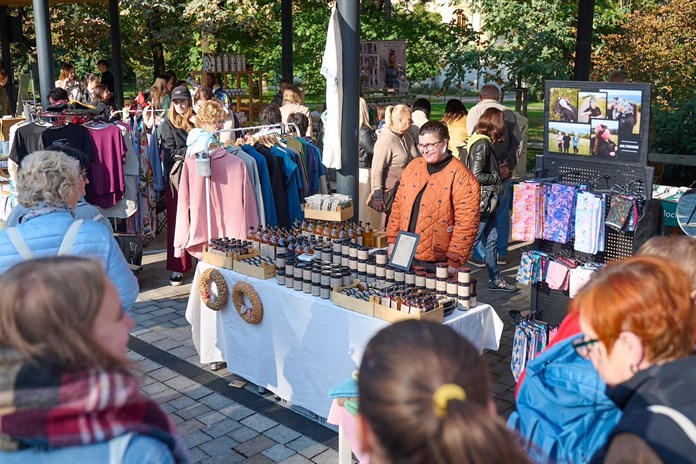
(213, 275)
(254, 314)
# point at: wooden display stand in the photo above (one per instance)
(226, 262)
(251, 81)
(263, 272)
(340, 215)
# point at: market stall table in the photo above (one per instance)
(304, 346)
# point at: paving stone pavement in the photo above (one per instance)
(215, 428)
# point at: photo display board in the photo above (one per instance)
(607, 121)
(383, 65)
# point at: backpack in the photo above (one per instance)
(563, 413)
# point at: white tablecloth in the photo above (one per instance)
(304, 346)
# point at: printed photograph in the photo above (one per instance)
(569, 139)
(624, 106)
(591, 105)
(563, 104)
(604, 139)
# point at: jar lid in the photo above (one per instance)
(411, 272)
(442, 265)
(326, 273)
(346, 272)
(280, 255)
(326, 287)
(280, 272)
(362, 261)
(381, 252)
(464, 269)
(363, 248)
(441, 279)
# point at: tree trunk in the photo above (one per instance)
(157, 49)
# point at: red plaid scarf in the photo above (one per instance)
(41, 405)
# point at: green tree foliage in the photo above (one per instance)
(526, 41)
(184, 29)
(656, 44)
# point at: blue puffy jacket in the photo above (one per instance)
(44, 234)
(563, 412)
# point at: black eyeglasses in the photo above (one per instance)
(584, 347)
(428, 146)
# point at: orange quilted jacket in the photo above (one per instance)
(448, 218)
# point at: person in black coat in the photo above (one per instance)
(483, 164)
(175, 130)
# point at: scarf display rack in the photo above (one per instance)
(549, 305)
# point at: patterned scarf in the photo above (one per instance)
(44, 406)
(43, 208)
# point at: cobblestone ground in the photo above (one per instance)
(218, 429)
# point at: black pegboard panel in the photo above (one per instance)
(600, 175)
(552, 305)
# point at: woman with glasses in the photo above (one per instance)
(49, 185)
(83, 210)
(393, 150)
(438, 198)
(638, 321)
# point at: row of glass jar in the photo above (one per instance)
(229, 246)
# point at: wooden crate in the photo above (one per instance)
(394, 315)
(263, 272)
(217, 260)
(339, 215)
(348, 302)
(380, 240)
(226, 262)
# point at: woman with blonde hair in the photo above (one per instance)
(455, 118)
(64, 344)
(425, 398)
(159, 96)
(49, 186)
(175, 131)
(638, 319)
(293, 102)
(394, 149)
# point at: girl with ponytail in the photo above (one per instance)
(425, 398)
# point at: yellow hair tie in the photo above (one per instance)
(444, 394)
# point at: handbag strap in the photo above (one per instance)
(680, 419)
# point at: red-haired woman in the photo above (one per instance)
(638, 320)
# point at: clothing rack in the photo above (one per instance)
(207, 144)
(136, 112)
